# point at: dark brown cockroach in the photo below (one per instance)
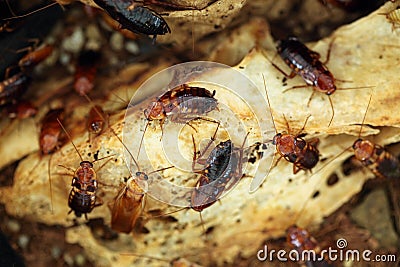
(293, 148)
(180, 105)
(13, 87)
(222, 171)
(137, 19)
(86, 70)
(393, 17)
(306, 63)
(300, 240)
(82, 197)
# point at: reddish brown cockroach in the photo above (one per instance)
(50, 133)
(303, 154)
(82, 197)
(180, 105)
(137, 19)
(306, 63)
(85, 73)
(130, 201)
(300, 240)
(50, 139)
(97, 121)
(34, 56)
(378, 160)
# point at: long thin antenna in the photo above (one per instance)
(30, 13)
(365, 115)
(119, 139)
(70, 139)
(269, 103)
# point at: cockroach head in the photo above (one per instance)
(155, 111)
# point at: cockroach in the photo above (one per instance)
(180, 104)
(393, 17)
(50, 133)
(306, 63)
(86, 70)
(82, 197)
(223, 169)
(382, 163)
(130, 201)
(34, 57)
(13, 87)
(128, 205)
(137, 19)
(302, 241)
(21, 110)
(293, 148)
(50, 138)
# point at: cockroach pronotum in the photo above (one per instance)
(393, 17)
(306, 63)
(303, 154)
(13, 87)
(85, 73)
(82, 197)
(180, 105)
(137, 19)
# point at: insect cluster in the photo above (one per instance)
(117, 165)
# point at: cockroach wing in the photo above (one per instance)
(127, 208)
(263, 169)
